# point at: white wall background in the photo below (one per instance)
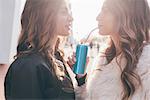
(7, 8)
(9, 28)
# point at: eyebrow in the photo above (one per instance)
(65, 8)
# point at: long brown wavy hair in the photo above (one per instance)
(133, 21)
(38, 22)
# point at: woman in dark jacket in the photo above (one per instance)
(36, 72)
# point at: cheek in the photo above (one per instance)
(105, 28)
(60, 25)
(63, 30)
(108, 26)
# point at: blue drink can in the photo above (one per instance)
(81, 54)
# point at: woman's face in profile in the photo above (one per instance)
(64, 20)
(106, 20)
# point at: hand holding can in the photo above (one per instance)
(81, 54)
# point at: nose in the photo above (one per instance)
(70, 18)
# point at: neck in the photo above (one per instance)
(116, 43)
(53, 43)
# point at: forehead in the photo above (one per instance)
(65, 4)
(108, 3)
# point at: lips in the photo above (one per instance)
(99, 26)
(68, 26)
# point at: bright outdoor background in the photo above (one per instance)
(84, 15)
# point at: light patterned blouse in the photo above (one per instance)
(104, 82)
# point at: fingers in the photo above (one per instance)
(87, 60)
(74, 54)
(71, 61)
(73, 58)
(81, 75)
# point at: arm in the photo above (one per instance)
(48, 82)
(22, 82)
(29, 81)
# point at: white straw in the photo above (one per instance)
(90, 34)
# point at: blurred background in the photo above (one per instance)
(84, 14)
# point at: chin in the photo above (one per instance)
(102, 33)
(66, 34)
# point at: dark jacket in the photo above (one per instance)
(30, 78)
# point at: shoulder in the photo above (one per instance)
(145, 56)
(143, 69)
(146, 51)
(144, 60)
(29, 67)
(28, 62)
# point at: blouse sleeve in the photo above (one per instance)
(143, 70)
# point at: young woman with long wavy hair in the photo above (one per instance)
(122, 71)
(37, 73)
